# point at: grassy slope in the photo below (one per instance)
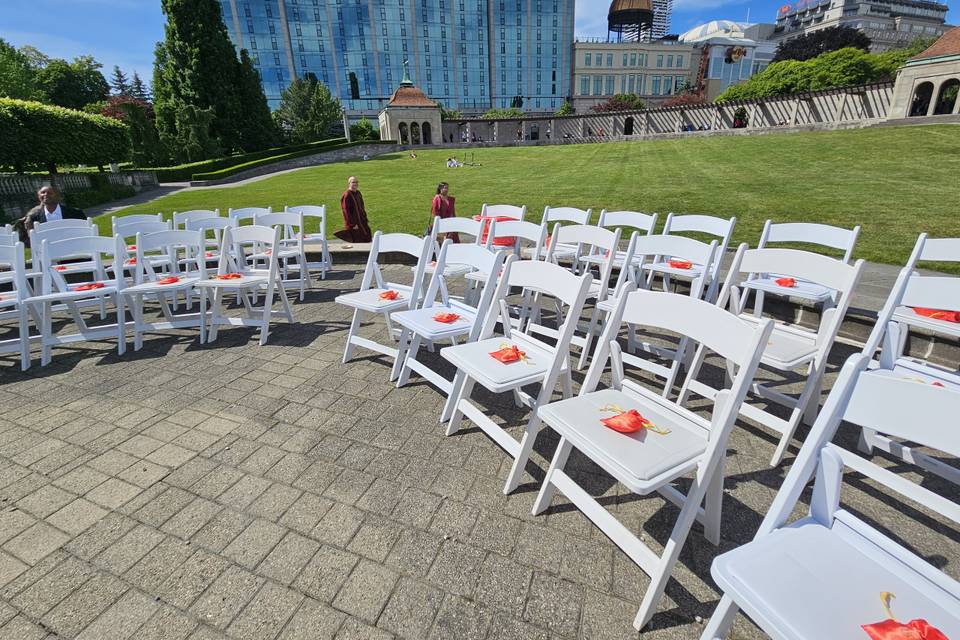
(895, 182)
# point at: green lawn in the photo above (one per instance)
(895, 182)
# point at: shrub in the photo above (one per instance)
(34, 134)
(363, 130)
(621, 102)
(503, 114)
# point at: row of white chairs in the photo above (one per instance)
(676, 442)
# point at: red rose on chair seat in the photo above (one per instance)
(168, 280)
(389, 295)
(680, 264)
(627, 422)
(508, 354)
(228, 276)
(786, 282)
(90, 286)
(938, 314)
(446, 318)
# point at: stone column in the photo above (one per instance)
(934, 98)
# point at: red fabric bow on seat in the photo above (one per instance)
(210, 254)
(891, 629)
(89, 286)
(60, 267)
(508, 353)
(786, 282)
(389, 295)
(228, 276)
(168, 280)
(131, 261)
(131, 247)
(681, 264)
(446, 318)
(627, 422)
(938, 314)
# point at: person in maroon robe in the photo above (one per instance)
(357, 229)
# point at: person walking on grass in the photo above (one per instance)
(444, 207)
(356, 228)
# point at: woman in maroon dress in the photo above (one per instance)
(443, 207)
(357, 229)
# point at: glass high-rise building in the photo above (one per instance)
(467, 54)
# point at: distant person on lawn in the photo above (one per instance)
(49, 209)
(443, 207)
(357, 229)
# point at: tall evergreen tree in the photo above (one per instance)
(307, 111)
(119, 82)
(138, 88)
(257, 130)
(199, 69)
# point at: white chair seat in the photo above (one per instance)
(804, 289)
(421, 322)
(787, 348)
(109, 286)
(599, 258)
(908, 315)
(76, 267)
(638, 459)
(156, 287)
(449, 271)
(921, 372)
(561, 252)
(475, 360)
(809, 581)
(369, 300)
(243, 281)
(8, 299)
(283, 253)
(665, 268)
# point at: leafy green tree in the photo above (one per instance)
(257, 130)
(620, 102)
(450, 114)
(35, 58)
(815, 43)
(566, 109)
(73, 84)
(326, 112)
(17, 76)
(307, 110)
(138, 89)
(196, 66)
(363, 130)
(119, 82)
(512, 113)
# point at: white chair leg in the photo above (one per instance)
(403, 343)
(47, 334)
(464, 396)
(526, 446)
(588, 340)
(267, 310)
(567, 380)
(548, 489)
(722, 619)
(411, 354)
(24, 338)
(679, 357)
(713, 506)
(203, 316)
(121, 325)
(354, 326)
(458, 381)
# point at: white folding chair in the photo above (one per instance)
(421, 326)
(212, 229)
(629, 221)
(310, 211)
(127, 228)
(490, 213)
(12, 301)
(181, 218)
(540, 364)
(931, 303)
(553, 216)
(823, 235)
(792, 346)
(830, 572)
(247, 282)
(670, 443)
(164, 287)
(55, 231)
(290, 253)
(650, 248)
(466, 226)
(711, 225)
(518, 236)
(378, 296)
(247, 213)
(56, 290)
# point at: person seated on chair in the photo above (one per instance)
(356, 228)
(49, 209)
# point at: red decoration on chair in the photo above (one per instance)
(497, 242)
(680, 264)
(210, 254)
(629, 421)
(786, 282)
(890, 629)
(131, 261)
(446, 318)
(90, 286)
(168, 280)
(508, 353)
(228, 276)
(938, 314)
(389, 295)
(131, 247)
(60, 267)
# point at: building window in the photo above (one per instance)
(679, 61)
(625, 59)
(633, 59)
(599, 59)
(610, 85)
(609, 59)
(659, 61)
(597, 85)
(655, 86)
(584, 85)
(669, 61)
(588, 59)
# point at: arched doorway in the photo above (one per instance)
(404, 134)
(628, 126)
(425, 130)
(947, 99)
(414, 133)
(921, 99)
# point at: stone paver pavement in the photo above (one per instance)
(237, 491)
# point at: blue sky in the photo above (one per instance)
(124, 32)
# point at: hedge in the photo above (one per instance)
(35, 134)
(235, 169)
(184, 172)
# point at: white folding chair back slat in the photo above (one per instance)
(121, 225)
(636, 220)
(319, 212)
(63, 223)
(567, 214)
(473, 228)
(539, 363)
(180, 218)
(674, 443)
(847, 563)
(247, 213)
(792, 346)
(722, 228)
(12, 301)
(811, 233)
(375, 295)
(291, 252)
(504, 210)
